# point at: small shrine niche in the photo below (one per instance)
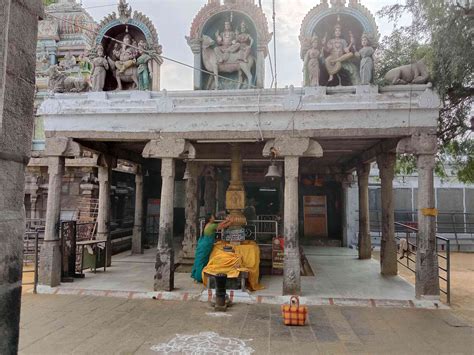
(337, 45)
(230, 41)
(127, 53)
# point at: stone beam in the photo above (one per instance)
(370, 155)
(111, 150)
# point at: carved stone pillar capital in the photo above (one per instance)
(293, 146)
(386, 163)
(363, 169)
(418, 144)
(169, 147)
(62, 146)
(107, 161)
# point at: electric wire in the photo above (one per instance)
(274, 44)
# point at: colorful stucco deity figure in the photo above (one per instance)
(125, 53)
(246, 42)
(100, 66)
(145, 67)
(226, 43)
(366, 60)
(124, 62)
(339, 55)
(346, 55)
(69, 61)
(312, 60)
(229, 40)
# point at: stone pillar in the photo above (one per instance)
(292, 263)
(220, 193)
(167, 149)
(209, 194)
(260, 67)
(164, 278)
(18, 37)
(191, 212)
(388, 248)
(155, 83)
(427, 273)
(33, 200)
(50, 260)
(137, 247)
(365, 245)
(104, 211)
(291, 148)
(196, 47)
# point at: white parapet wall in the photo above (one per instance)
(340, 111)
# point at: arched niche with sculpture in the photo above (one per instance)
(229, 39)
(338, 40)
(134, 62)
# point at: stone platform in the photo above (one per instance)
(340, 279)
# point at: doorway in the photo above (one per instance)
(315, 216)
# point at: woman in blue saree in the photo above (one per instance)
(204, 249)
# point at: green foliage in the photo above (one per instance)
(459, 156)
(405, 164)
(442, 33)
(48, 2)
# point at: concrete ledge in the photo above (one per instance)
(237, 296)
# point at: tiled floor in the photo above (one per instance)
(338, 274)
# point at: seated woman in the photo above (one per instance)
(204, 247)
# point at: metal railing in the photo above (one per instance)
(409, 256)
(262, 231)
(31, 248)
(458, 225)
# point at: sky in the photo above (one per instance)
(173, 18)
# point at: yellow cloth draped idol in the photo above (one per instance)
(246, 257)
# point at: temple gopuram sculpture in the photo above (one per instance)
(100, 65)
(366, 60)
(416, 73)
(130, 46)
(60, 82)
(61, 42)
(229, 40)
(344, 55)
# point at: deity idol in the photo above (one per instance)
(126, 54)
(311, 63)
(226, 43)
(339, 56)
(245, 41)
(366, 62)
(99, 70)
(145, 67)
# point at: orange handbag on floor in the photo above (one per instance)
(293, 313)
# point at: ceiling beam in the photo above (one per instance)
(369, 155)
